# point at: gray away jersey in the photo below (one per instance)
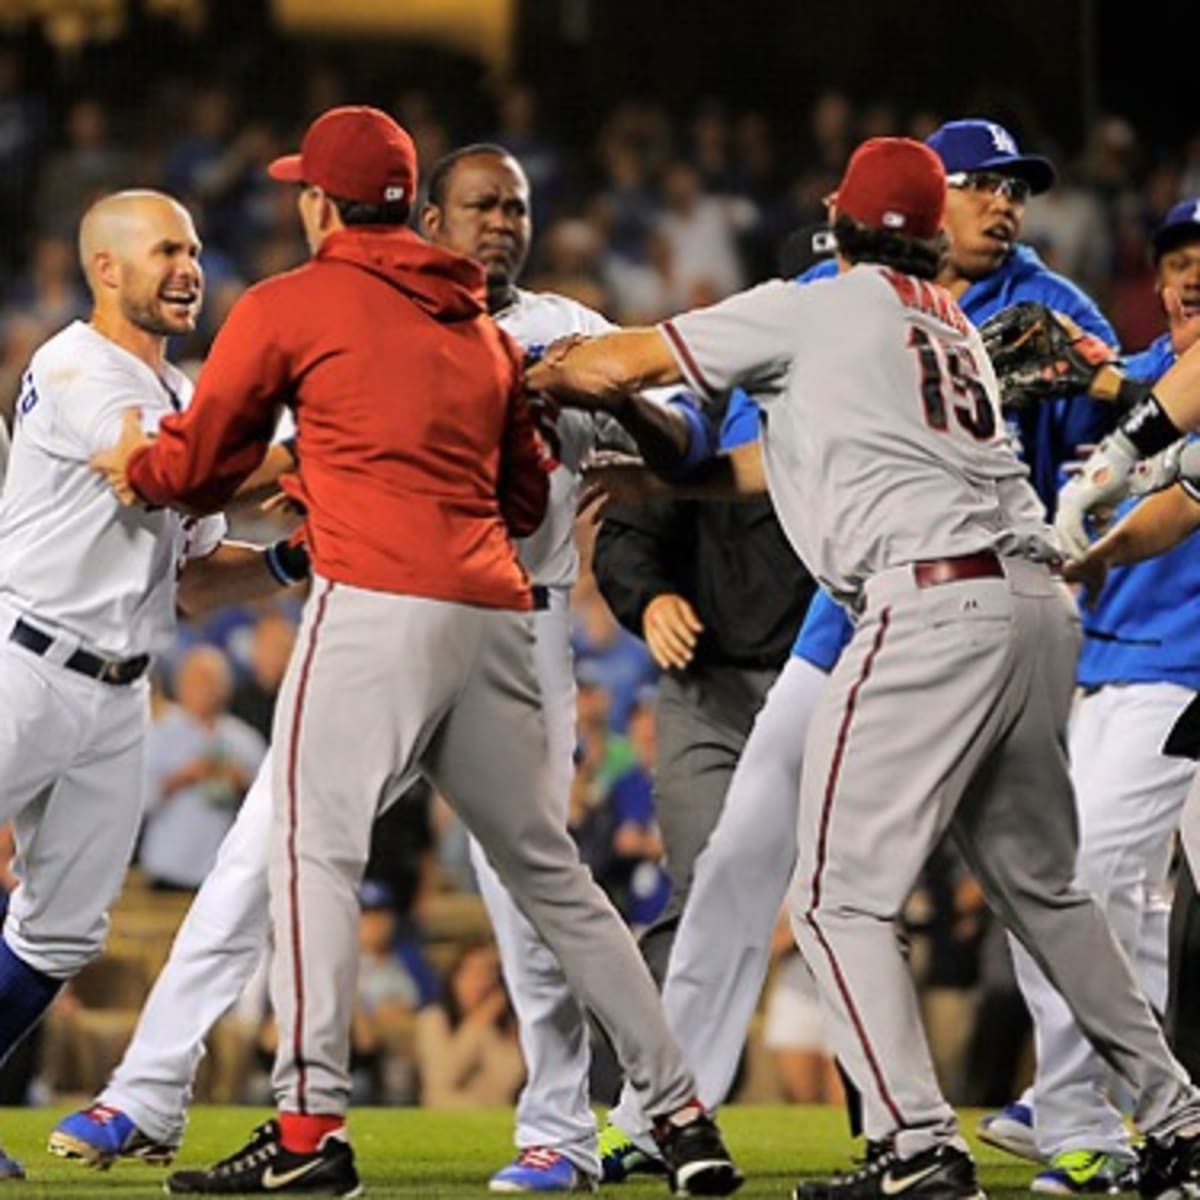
(882, 434)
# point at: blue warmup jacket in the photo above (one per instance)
(1145, 628)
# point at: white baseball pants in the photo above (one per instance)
(1129, 797)
(71, 783)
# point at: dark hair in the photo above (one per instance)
(355, 212)
(857, 243)
(439, 177)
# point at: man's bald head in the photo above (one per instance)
(140, 254)
(116, 222)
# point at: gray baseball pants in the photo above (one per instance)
(380, 684)
(949, 710)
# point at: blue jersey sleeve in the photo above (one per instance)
(741, 421)
(824, 634)
(1152, 363)
(702, 435)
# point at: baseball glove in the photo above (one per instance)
(1040, 354)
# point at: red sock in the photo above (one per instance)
(301, 1133)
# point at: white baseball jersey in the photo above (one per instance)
(71, 557)
(868, 465)
(4, 448)
(535, 320)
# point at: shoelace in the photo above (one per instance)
(102, 1114)
(262, 1146)
(538, 1157)
(245, 1162)
(869, 1169)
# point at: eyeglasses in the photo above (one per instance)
(990, 183)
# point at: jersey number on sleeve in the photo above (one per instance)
(952, 366)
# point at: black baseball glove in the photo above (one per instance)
(1040, 354)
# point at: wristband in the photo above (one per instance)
(1132, 392)
(288, 563)
(1148, 428)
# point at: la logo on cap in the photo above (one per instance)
(1002, 140)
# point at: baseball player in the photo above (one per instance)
(941, 548)
(1139, 669)
(478, 205)
(749, 859)
(415, 644)
(88, 590)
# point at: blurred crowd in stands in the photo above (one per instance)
(661, 211)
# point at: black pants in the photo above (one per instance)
(1183, 993)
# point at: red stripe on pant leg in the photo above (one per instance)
(831, 782)
(293, 860)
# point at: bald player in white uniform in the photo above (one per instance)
(88, 590)
(142, 1110)
(886, 458)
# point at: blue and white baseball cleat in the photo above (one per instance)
(99, 1135)
(10, 1168)
(1011, 1129)
(537, 1169)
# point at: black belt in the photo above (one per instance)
(107, 670)
(541, 597)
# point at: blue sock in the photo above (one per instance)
(25, 993)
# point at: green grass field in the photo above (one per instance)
(416, 1153)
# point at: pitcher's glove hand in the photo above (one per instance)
(1039, 354)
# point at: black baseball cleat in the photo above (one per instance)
(1169, 1169)
(264, 1166)
(696, 1159)
(942, 1172)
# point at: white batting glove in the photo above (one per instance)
(1175, 464)
(1102, 482)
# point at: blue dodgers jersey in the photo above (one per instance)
(1046, 435)
(1145, 627)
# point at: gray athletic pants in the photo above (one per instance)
(378, 685)
(704, 716)
(949, 709)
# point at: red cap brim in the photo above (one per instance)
(286, 169)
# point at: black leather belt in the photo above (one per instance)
(107, 670)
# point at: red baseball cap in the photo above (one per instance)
(354, 153)
(894, 183)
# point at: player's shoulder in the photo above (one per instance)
(79, 362)
(537, 318)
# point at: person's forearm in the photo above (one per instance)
(662, 434)
(236, 573)
(263, 481)
(1157, 525)
(611, 366)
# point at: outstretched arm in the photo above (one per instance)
(1157, 525)
(604, 373)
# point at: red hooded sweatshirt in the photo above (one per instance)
(418, 456)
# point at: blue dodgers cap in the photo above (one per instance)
(1181, 224)
(978, 145)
